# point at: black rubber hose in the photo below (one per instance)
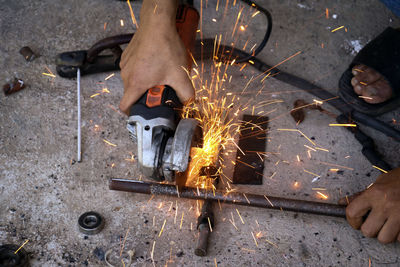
(266, 35)
(368, 145)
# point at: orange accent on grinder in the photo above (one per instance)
(154, 96)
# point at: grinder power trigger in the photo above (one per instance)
(163, 139)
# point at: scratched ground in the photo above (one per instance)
(43, 190)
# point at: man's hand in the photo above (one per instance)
(155, 56)
(382, 201)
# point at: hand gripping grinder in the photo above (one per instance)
(164, 140)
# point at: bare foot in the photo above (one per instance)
(370, 85)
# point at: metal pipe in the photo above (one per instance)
(238, 198)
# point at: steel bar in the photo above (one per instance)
(205, 221)
(238, 198)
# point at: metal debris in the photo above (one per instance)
(14, 86)
(27, 53)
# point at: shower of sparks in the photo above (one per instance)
(241, 219)
(162, 228)
(15, 252)
(109, 76)
(152, 251)
(254, 238)
(382, 170)
(296, 130)
(209, 224)
(336, 165)
(365, 97)
(94, 95)
(322, 195)
(343, 124)
(49, 74)
(108, 142)
(132, 15)
(180, 226)
(338, 28)
(316, 175)
(217, 112)
(123, 243)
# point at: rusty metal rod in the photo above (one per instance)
(238, 198)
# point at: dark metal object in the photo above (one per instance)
(249, 167)
(205, 222)
(8, 257)
(238, 198)
(90, 223)
(90, 61)
(14, 86)
(27, 53)
(368, 145)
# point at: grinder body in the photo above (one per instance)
(155, 118)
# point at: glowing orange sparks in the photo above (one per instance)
(382, 170)
(338, 28)
(108, 142)
(322, 195)
(343, 124)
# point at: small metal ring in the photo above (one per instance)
(90, 223)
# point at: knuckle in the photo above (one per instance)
(351, 211)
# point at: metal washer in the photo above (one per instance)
(90, 223)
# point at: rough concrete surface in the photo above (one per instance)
(43, 190)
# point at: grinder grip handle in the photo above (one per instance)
(159, 101)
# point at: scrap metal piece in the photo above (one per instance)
(205, 222)
(14, 86)
(249, 167)
(262, 201)
(27, 53)
(8, 257)
(300, 105)
(130, 253)
(90, 223)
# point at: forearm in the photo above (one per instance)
(158, 14)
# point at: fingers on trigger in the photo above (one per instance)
(390, 231)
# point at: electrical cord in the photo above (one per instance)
(266, 35)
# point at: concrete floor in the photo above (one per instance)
(43, 190)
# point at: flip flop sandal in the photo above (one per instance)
(383, 55)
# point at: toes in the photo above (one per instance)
(366, 76)
(376, 92)
(358, 69)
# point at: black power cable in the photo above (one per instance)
(266, 35)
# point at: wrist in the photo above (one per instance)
(158, 14)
